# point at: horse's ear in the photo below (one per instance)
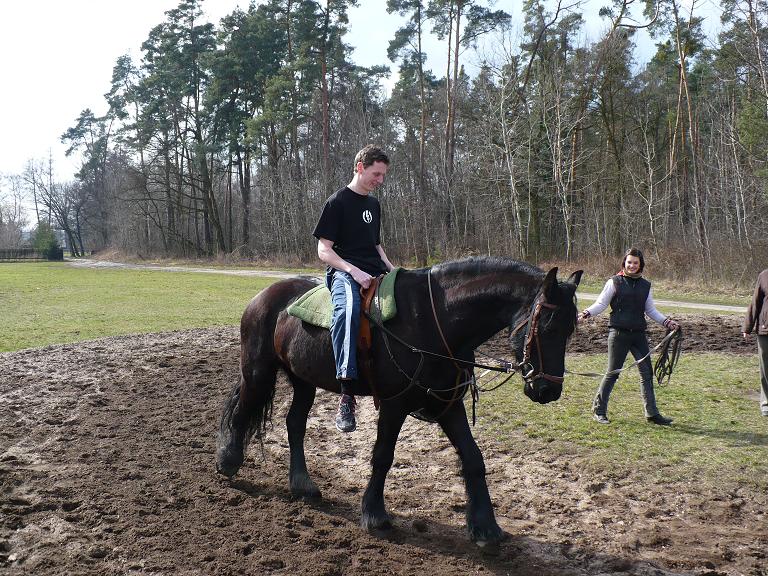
(549, 285)
(575, 278)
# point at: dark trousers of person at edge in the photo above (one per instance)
(762, 348)
(621, 342)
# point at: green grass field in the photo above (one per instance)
(718, 431)
(718, 434)
(53, 303)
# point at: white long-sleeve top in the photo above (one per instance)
(609, 291)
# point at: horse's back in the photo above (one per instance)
(258, 322)
(275, 298)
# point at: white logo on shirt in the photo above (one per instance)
(367, 216)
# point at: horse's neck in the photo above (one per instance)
(477, 307)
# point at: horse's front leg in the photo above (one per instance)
(374, 513)
(481, 521)
(302, 485)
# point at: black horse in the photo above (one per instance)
(449, 310)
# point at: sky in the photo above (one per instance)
(56, 59)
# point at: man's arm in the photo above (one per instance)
(328, 255)
(753, 310)
(384, 258)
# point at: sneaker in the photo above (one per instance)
(345, 417)
(601, 418)
(659, 419)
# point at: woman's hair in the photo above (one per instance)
(634, 252)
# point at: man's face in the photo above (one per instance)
(632, 264)
(372, 176)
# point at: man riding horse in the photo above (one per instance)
(349, 242)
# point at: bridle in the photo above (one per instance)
(525, 367)
(531, 334)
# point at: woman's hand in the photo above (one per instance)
(671, 324)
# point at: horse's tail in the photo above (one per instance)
(248, 408)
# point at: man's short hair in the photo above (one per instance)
(369, 155)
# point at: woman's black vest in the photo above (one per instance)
(628, 304)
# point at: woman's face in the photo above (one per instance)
(632, 264)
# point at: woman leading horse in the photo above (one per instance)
(448, 310)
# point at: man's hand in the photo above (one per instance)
(362, 278)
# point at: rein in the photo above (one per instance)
(531, 333)
(664, 365)
(503, 366)
(668, 357)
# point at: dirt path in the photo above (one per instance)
(88, 263)
(106, 467)
(585, 296)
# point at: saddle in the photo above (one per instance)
(364, 340)
(366, 298)
(315, 307)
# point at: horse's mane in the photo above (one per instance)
(486, 264)
(469, 277)
(456, 277)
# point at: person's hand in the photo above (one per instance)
(745, 335)
(362, 278)
(583, 316)
(671, 324)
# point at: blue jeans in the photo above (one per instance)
(621, 342)
(345, 322)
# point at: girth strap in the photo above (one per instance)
(365, 339)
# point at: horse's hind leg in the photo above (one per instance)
(481, 521)
(246, 412)
(302, 486)
(374, 512)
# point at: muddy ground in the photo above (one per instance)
(107, 467)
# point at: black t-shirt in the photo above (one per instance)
(353, 222)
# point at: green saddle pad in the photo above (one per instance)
(315, 306)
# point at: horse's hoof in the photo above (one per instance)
(304, 488)
(376, 522)
(306, 495)
(226, 472)
(228, 462)
(489, 548)
(489, 539)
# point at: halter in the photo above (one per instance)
(531, 334)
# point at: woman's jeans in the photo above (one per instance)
(345, 322)
(620, 342)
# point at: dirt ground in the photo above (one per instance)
(107, 467)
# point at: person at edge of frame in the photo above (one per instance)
(757, 317)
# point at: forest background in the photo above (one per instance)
(223, 141)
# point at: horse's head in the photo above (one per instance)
(541, 335)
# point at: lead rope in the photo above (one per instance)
(668, 357)
(664, 342)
